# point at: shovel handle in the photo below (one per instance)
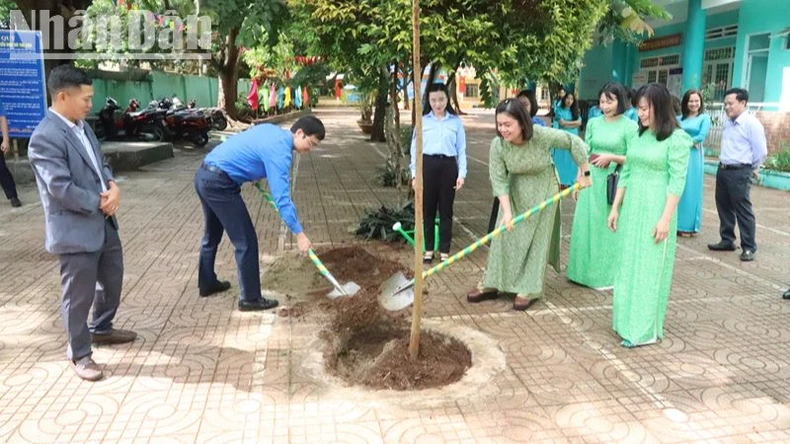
(324, 272)
(313, 257)
(499, 230)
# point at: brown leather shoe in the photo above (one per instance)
(86, 368)
(116, 336)
(478, 295)
(522, 304)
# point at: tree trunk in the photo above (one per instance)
(229, 76)
(381, 109)
(393, 138)
(452, 90)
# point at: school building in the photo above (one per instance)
(715, 43)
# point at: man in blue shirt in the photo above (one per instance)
(263, 151)
(743, 150)
(6, 178)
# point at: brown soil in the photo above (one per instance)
(352, 263)
(364, 343)
(367, 345)
(379, 358)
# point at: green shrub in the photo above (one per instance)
(779, 161)
(377, 224)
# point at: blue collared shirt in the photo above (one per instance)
(445, 137)
(262, 152)
(743, 141)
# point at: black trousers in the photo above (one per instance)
(439, 174)
(733, 203)
(6, 179)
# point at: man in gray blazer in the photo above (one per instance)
(80, 199)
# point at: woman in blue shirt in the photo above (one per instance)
(444, 167)
(567, 118)
(697, 124)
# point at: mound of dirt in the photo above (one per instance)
(364, 343)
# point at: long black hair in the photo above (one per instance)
(614, 90)
(436, 87)
(684, 104)
(533, 101)
(515, 109)
(574, 106)
(664, 119)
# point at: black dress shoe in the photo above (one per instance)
(15, 202)
(262, 304)
(786, 295)
(721, 246)
(218, 287)
(748, 255)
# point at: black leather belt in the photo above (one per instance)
(738, 166)
(439, 156)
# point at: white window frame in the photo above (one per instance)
(729, 61)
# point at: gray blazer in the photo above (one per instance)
(69, 187)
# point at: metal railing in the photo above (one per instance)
(717, 116)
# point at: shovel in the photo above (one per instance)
(348, 289)
(397, 292)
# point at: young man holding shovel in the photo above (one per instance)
(263, 151)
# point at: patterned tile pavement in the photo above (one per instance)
(203, 372)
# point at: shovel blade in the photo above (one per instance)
(395, 295)
(351, 288)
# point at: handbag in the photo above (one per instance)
(611, 184)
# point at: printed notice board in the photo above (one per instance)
(23, 99)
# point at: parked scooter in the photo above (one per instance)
(129, 125)
(215, 115)
(184, 123)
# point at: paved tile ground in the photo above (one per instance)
(202, 371)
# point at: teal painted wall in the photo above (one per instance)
(203, 89)
(597, 71)
(760, 16)
(712, 21)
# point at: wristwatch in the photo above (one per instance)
(587, 173)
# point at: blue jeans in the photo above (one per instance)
(224, 210)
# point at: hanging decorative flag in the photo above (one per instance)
(287, 100)
(272, 95)
(305, 97)
(252, 97)
(298, 97)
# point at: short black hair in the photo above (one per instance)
(614, 90)
(533, 101)
(311, 126)
(65, 77)
(663, 115)
(436, 87)
(516, 110)
(741, 94)
(684, 104)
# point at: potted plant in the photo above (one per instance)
(365, 121)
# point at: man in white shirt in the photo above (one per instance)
(80, 198)
(743, 150)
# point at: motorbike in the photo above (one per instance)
(215, 115)
(184, 123)
(129, 124)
